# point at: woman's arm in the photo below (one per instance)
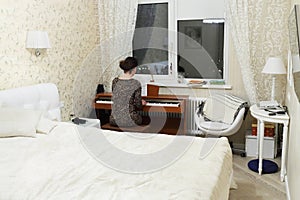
(138, 98)
(114, 82)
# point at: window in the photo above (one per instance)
(150, 41)
(160, 40)
(152, 38)
(201, 48)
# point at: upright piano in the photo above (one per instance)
(167, 113)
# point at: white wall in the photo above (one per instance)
(195, 9)
(293, 158)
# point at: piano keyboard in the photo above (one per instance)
(163, 104)
(168, 107)
(104, 101)
(151, 103)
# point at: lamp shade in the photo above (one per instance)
(274, 65)
(37, 40)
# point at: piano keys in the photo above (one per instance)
(104, 101)
(165, 104)
(149, 103)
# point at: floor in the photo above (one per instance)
(250, 185)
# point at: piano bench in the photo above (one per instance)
(140, 128)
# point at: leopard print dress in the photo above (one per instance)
(127, 100)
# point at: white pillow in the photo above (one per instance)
(45, 125)
(44, 105)
(29, 106)
(18, 122)
(51, 114)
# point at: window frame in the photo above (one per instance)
(172, 50)
(225, 49)
(173, 46)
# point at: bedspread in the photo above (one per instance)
(73, 162)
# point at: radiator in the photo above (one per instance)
(192, 106)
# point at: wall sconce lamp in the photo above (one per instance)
(274, 66)
(37, 40)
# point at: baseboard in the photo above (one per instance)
(287, 189)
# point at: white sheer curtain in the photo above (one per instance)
(116, 27)
(259, 30)
(237, 18)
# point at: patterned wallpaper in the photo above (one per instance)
(268, 26)
(73, 33)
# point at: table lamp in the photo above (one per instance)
(274, 66)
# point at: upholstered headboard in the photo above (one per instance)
(44, 96)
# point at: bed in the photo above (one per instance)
(61, 160)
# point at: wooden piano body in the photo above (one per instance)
(170, 110)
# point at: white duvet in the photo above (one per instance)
(88, 163)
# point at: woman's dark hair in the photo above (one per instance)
(128, 64)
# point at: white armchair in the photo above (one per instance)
(217, 129)
(221, 115)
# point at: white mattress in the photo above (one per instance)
(71, 164)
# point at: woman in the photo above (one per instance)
(126, 96)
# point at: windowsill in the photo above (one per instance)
(196, 86)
